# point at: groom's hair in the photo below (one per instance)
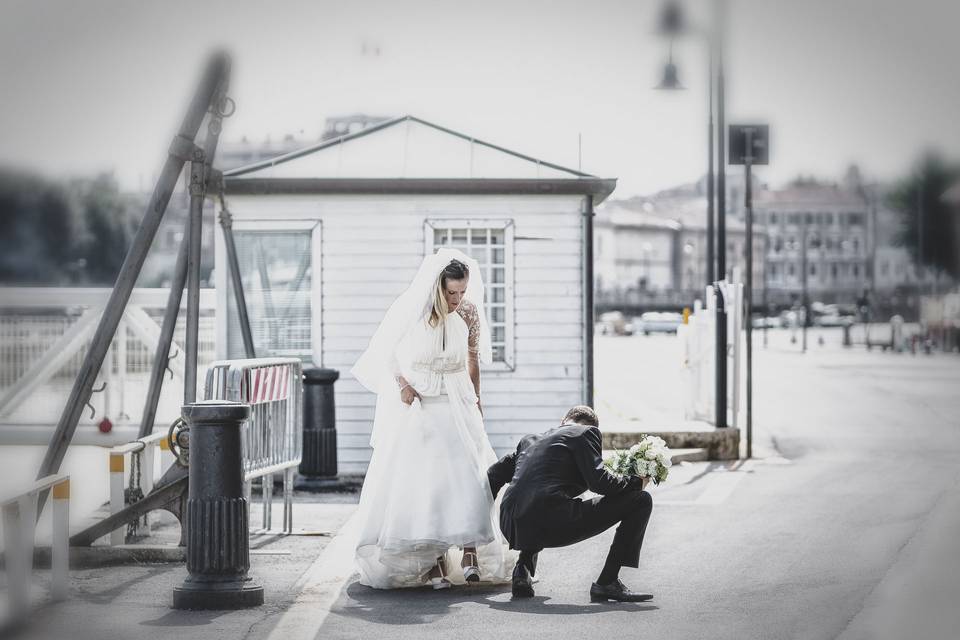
(582, 414)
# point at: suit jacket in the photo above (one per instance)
(546, 473)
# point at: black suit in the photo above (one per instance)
(547, 472)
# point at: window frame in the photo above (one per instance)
(430, 225)
(316, 280)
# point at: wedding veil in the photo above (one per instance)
(375, 369)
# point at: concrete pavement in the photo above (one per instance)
(846, 526)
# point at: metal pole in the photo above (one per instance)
(200, 172)
(803, 278)
(748, 201)
(711, 195)
(161, 356)
(766, 304)
(721, 342)
(130, 270)
(588, 299)
(226, 223)
(195, 240)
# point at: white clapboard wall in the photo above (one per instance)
(369, 249)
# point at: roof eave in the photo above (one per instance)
(600, 188)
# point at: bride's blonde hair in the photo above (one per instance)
(456, 270)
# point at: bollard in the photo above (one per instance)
(319, 424)
(847, 342)
(218, 542)
(896, 333)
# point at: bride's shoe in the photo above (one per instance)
(471, 572)
(440, 582)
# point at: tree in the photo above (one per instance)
(927, 223)
(40, 224)
(109, 228)
(62, 233)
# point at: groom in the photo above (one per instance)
(540, 508)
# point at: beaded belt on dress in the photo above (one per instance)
(439, 365)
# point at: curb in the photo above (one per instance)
(104, 556)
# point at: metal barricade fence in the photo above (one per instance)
(272, 439)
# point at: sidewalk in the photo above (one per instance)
(134, 600)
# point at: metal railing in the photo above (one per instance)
(272, 440)
(19, 532)
(44, 334)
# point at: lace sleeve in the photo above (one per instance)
(468, 312)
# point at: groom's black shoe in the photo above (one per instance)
(529, 560)
(616, 590)
(522, 584)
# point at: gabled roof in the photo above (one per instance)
(408, 155)
(405, 147)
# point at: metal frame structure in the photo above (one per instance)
(211, 104)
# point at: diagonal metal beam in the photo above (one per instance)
(214, 75)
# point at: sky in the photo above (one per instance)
(101, 85)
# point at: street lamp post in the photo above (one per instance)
(749, 146)
(672, 24)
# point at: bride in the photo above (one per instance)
(426, 503)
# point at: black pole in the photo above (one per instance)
(748, 198)
(161, 356)
(130, 270)
(766, 303)
(588, 320)
(721, 341)
(711, 195)
(226, 223)
(195, 239)
(200, 172)
(803, 266)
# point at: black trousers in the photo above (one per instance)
(583, 519)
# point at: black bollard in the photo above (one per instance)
(319, 424)
(218, 538)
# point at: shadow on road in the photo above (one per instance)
(185, 619)
(539, 604)
(419, 606)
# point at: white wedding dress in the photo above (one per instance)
(426, 492)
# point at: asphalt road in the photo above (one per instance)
(846, 524)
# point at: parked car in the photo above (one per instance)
(770, 322)
(657, 322)
(832, 315)
(791, 318)
(612, 323)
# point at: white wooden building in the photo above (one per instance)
(328, 236)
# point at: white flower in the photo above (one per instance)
(634, 449)
(650, 454)
(667, 462)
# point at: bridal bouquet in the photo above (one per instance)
(649, 458)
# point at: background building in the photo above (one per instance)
(652, 250)
(832, 225)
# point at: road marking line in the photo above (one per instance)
(318, 589)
